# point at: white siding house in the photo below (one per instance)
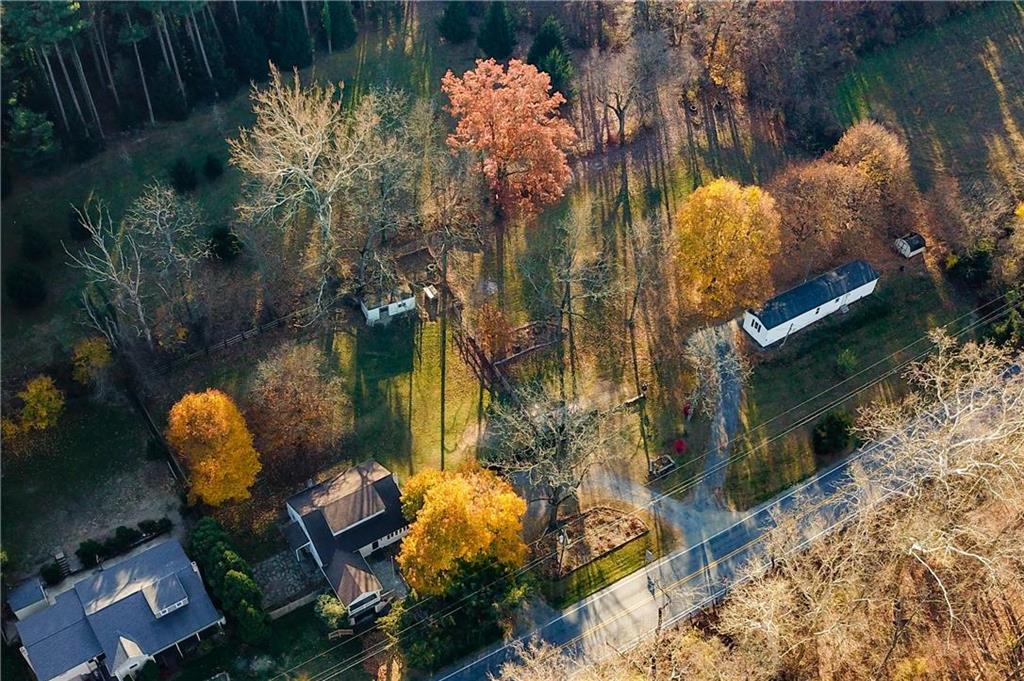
(341, 522)
(800, 307)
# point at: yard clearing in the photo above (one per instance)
(955, 93)
(789, 384)
(80, 480)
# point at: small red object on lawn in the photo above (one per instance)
(680, 445)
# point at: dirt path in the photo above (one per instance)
(708, 494)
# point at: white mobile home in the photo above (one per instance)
(799, 307)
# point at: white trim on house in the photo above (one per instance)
(765, 336)
(382, 314)
(386, 540)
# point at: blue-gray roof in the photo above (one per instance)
(59, 638)
(164, 593)
(25, 594)
(93, 617)
(829, 286)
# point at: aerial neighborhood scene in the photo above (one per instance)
(514, 341)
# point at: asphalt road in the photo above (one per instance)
(681, 583)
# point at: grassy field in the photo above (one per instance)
(789, 384)
(297, 637)
(394, 377)
(954, 91)
(78, 480)
(598, 574)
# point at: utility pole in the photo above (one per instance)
(444, 335)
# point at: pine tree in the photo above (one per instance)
(340, 24)
(549, 37)
(291, 46)
(498, 33)
(561, 70)
(248, 51)
(454, 23)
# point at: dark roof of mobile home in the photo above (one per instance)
(809, 295)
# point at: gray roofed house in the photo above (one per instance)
(27, 598)
(341, 522)
(120, 617)
(809, 302)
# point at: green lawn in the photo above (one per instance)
(954, 91)
(80, 479)
(600, 573)
(394, 376)
(297, 637)
(902, 310)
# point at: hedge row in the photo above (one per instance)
(230, 580)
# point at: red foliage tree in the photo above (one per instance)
(511, 117)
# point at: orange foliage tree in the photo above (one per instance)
(511, 117)
(210, 433)
(458, 516)
(728, 238)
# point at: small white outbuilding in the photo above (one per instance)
(381, 308)
(809, 302)
(910, 245)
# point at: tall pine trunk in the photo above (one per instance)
(87, 89)
(56, 89)
(142, 74)
(202, 50)
(106, 64)
(71, 89)
(174, 59)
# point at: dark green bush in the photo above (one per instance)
(224, 243)
(213, 167)
(126, 537)
(149, 672)
(973, 268)
(25, 286)
(183, 176)
(230, 580)
(90, 552)
(832, 433)
(35, 246)
(51, 573)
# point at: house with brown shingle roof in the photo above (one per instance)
(342, 521)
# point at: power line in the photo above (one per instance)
(689, 482)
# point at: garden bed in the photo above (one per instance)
(592, 535)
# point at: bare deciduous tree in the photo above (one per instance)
(552, 443)
(711, 355)
(302, 153)
(922, 580)
(166, 228)
(113, 265)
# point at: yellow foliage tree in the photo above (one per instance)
(42, 404)
(728, 237)
(90, 357)
(461, 515)
(210, 433)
